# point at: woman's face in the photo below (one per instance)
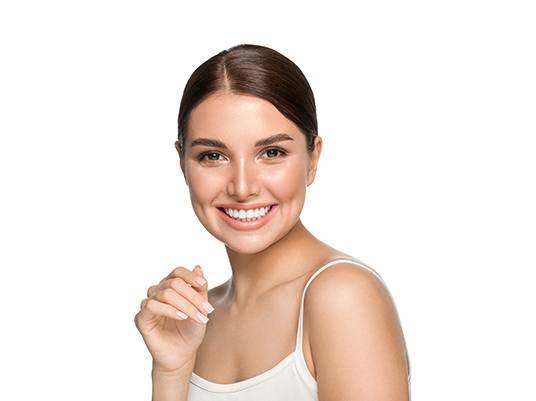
(235, 171)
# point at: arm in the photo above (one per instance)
(172, 386)
(356, 340)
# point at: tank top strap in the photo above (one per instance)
(316, 273)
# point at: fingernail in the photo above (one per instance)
(182, 315)
(202, 318)
(208, 307)
(200, 280)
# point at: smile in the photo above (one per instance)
(250, 219)
(248, 215)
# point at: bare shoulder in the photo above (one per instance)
(344, 282)
(356, 340)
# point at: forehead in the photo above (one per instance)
(244, 118)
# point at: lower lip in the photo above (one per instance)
(248, 225)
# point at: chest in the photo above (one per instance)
(236, 348)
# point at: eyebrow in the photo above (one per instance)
(263, 142)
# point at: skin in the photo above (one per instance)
(271, 265)
(259, 259)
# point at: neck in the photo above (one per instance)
(283, 261)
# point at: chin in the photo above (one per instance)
(247, 242)
(239, 245)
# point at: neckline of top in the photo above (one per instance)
(242, 384)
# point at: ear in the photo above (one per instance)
(314, 156)
(178, 147)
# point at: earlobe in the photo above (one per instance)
(311, 176)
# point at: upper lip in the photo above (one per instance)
(242, 206)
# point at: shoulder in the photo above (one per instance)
(346, 280)
(355, 336)
(346, 289)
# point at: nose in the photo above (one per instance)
(243, 180)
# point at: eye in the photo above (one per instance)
(277, 150)
(214, 156)
(202, 156)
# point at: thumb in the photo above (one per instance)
(198, 270)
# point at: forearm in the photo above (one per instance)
(171, 386)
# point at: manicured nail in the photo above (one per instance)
(208, 307)
(182, 315)
(200, 280)
(202, 318)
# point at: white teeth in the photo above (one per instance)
(249, 215)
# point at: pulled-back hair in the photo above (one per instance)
(253, 70)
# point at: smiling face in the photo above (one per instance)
(241, 153)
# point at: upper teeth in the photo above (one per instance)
(247, 214)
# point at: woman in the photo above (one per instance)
(248, 149)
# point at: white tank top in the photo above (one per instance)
(290, 379)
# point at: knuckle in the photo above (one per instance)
(167, 293)
(150, 303)
(178, 270)
(178, 284)
(143, 302)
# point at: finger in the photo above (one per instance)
(185, 299)
(151, 291)
(188, 276)
(177, 269)
(199, 298)
(203, 290)
(152, 307)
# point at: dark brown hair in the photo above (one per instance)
(253, 70)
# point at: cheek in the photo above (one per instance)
(287, 181)
(204, 184)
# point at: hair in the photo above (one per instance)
(253, 70)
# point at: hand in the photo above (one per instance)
(173, 340)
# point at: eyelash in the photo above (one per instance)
(202, 155)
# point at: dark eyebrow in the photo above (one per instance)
(263, 142)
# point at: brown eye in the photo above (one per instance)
(202, 156)
(270, 152)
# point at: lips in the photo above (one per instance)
(248, 225)
(222, 208)
(242, 206)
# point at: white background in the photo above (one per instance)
(427, 111)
